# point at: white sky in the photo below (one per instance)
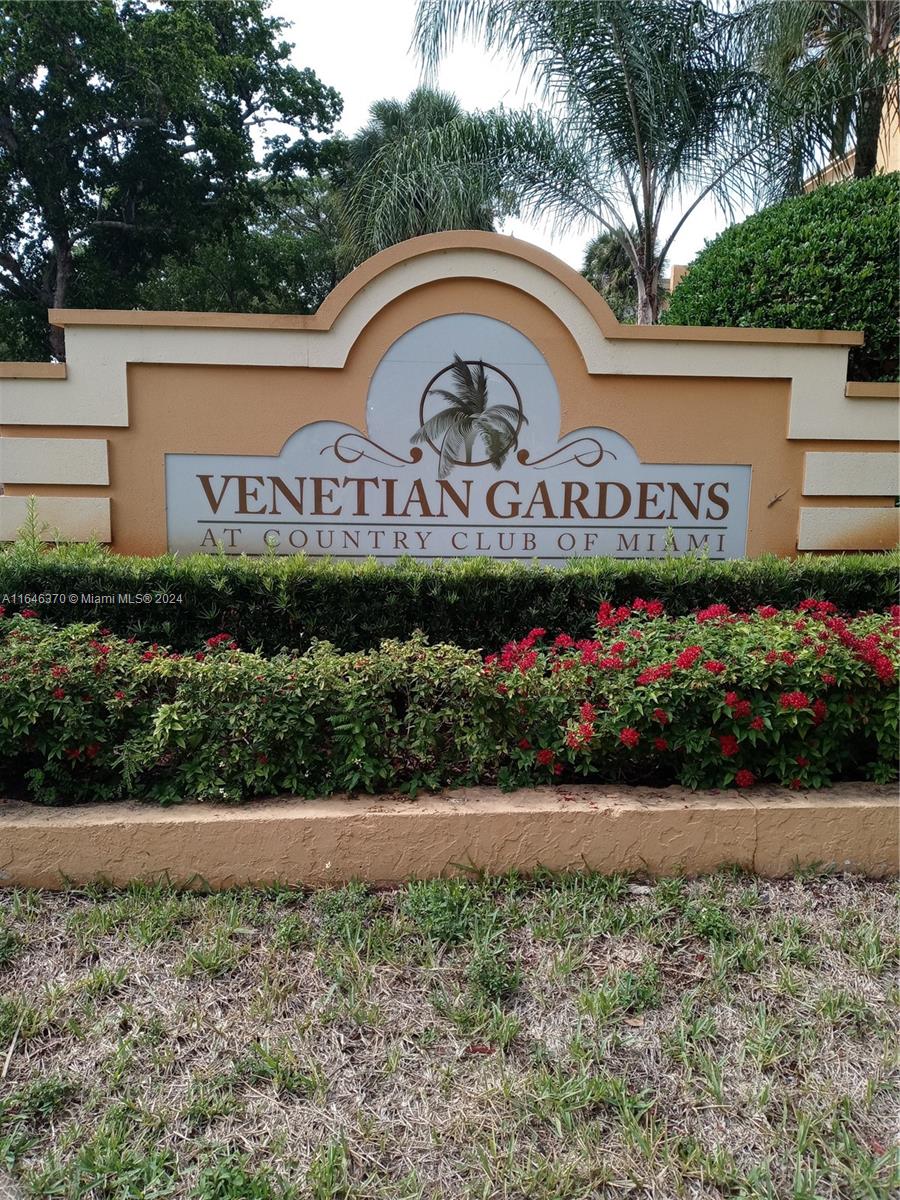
(361, 48)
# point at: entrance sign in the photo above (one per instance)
(461, 455)
(458, 394)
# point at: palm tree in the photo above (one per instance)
(833, 66)
(388, 200)
(469, 416)
(608, 269)
(647, 103)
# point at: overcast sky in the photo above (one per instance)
(361, 47)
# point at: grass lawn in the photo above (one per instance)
(576, 1036)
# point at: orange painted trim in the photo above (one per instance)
(872, 391)
(437, 243)
(32, 370)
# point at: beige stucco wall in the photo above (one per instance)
(138, 385)
(389, 839)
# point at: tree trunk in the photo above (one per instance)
(56, 338)
(647, 295)
(868, 130)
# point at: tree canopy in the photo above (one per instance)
(127, 134)
(826, 260)
(650, 110)
(417, 167)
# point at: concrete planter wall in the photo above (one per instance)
(386, 840)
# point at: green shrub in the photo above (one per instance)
(711, 700)
(272, 603)
(826, 260)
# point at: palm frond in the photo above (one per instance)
(438, 426)
(452, 448)
(508, 412)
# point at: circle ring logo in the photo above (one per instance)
(473, 362)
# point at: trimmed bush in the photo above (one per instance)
(826, 260)
(716, 699)
(272, 603)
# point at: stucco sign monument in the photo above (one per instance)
(461, 455)
(461, 394)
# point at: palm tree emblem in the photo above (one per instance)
(469, 417)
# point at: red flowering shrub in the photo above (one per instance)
(732, 699)
(744, 698)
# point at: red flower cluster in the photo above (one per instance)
(688, 657)
(219, 640)
(608, 617)
(652, 674)
(729, 745)
(650, 608)
(715, 612)
(817, 608)
(795, 700)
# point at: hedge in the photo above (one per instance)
(826, 260)
(271, 603)
(716, 699)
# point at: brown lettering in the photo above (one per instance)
(206, 483)
(542, 497)
(321, 495)
(717, 498)
(692, 506)
(278, 485)
(644, 498)
(246, 494)
(490, 500)
(447, 489)
(603, 512)
(571, 502)
(390, 486)
(361, 499)
(417, 495)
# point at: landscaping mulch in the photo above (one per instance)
(560, 1037)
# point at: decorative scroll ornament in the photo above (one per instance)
(346, 451)
(592, 454)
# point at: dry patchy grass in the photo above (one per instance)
(570, 1037)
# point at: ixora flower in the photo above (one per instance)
(796, 700)
(715, 612)
(650, 608)
(629, 736)
(728, 744)
(608, 617)
(545, 758)
(221, 639)
(745, 779)
(688, 657)
(714, 666)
